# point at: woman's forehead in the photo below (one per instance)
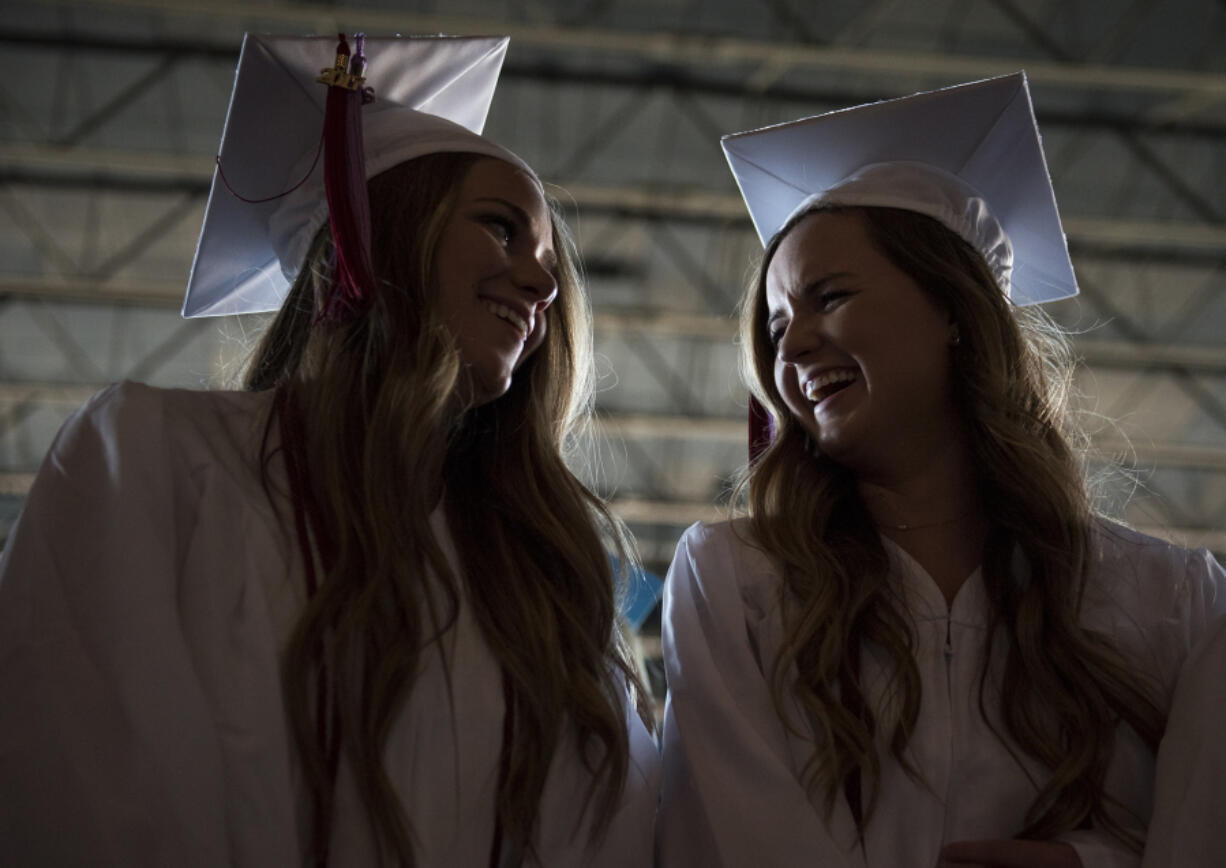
(496, 178)
(822, 241)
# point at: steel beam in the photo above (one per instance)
(15, 484)
(679, 514)
(733, 432)
(1143, 153)
(1174, 117)
(1096, 353)
(712, 429)
(682, 513)
(685, 49)
(38, 165)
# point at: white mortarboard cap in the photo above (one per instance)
(969, 156)
(432, 95)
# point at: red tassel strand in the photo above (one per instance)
(345, 182)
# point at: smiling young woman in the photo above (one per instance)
(437, 464)
(920, 645)
(861, 353)
(495, 272)
(362, 612)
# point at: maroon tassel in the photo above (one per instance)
(761, 428)
(345, 183)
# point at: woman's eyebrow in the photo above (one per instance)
(818, 284)
(808, 288)
(822, 282)
(520, 213)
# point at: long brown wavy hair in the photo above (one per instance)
(1068, 688)
(377, 401)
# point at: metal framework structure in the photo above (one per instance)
(111, 113)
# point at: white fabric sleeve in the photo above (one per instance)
(109, 753)
(1097, 849)
(1185, 830)
(729, 794)
(629, 839)
(566, 814)
(1200, 593)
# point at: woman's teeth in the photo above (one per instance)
(503, 312)
(822, 382)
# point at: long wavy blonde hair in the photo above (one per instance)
(376, 397)
(1068, 687)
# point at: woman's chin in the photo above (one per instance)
(487, 386)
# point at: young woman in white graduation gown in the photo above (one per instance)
(920, 646)
(360, 613)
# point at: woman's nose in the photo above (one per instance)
(535, 278)
(800, 339)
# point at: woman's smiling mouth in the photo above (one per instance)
(825, 384)
(500, 310)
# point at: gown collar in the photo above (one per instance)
(923, 597)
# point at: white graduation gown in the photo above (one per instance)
(731, 791)
(145, 595)
(1188, 828)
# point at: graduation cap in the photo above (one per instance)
(267, 201)
(969, 156)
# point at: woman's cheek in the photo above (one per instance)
(534, 341)
(785, 378)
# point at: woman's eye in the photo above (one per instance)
(831, 299)
(775, 335)
(501, 228)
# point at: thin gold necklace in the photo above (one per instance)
(943, 521)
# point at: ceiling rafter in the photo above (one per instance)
(1143, 153)
(700, 49)
(1174, 117)
(1127, 355)
(683, 513)
(628, 426)
(107, 112)
(41, 165)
